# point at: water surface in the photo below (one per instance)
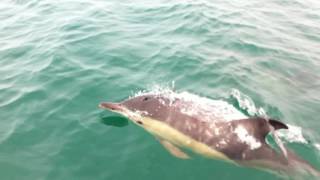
(60, 59)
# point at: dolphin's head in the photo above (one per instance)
(143, 105)
(148, 104)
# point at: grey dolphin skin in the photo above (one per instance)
(240, 141)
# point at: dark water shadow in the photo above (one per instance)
(116, 121)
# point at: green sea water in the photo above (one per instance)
(60, 59)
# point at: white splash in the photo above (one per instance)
(244, 136)
(317, 146)
(245, 102)
(293, 134)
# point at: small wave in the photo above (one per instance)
(7, 130)
(246, 103)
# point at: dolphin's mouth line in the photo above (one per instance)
(118, 108)
(111, 106)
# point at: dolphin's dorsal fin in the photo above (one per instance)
(277, 124)
(260, 127)
(174, 150)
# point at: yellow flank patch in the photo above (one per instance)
(172, 135)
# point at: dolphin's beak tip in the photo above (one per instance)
(100, 106)
(103, 105)
(110, 106)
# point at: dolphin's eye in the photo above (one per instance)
(145, 99)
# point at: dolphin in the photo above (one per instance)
(178, 123)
